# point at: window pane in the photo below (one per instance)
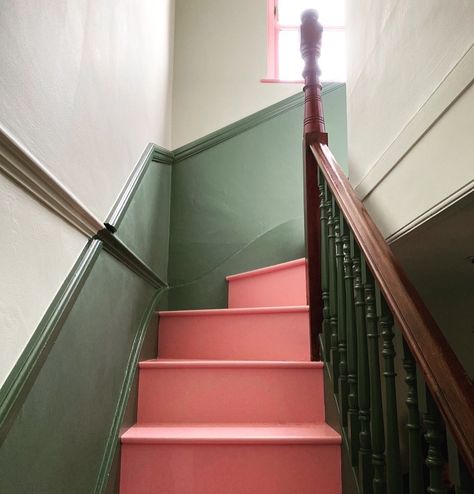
(331, 12)
(332, 61)
(333, 56)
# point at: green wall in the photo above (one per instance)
(238, 204)
(63, 405)
(145, 227)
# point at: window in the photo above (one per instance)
(284, 61)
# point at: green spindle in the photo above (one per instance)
(392, 450)
(351, 333)
(376, 411)
(415, 458)
(341, 321)
(434, 437)
(324, 266)
(365, 450)
(332, 224)
(458, 473)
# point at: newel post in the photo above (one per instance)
(314, 132)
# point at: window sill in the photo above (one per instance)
(280, 81)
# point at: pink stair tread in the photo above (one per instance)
(264, 333)
(279, 285)
(232, 434)
(233, 403)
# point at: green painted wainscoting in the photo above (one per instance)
(237, 200)
(63, 405)
(232, 201)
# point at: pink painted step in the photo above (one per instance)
(279, 285)
(271, 333)
(302, 459)
(200, 391)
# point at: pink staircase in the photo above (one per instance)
(233, 404)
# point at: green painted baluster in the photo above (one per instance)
(376, 412)
(365, 451)
(341, 321)
(434, 436)
(353, 414)
(392, 451)
(326, 335)
(415, 457)
(332, 224)
(458, 473)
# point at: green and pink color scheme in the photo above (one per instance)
(233, 402)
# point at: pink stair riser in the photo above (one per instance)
(230, 392)
(236, 334)
(230, 469)
(279, 285)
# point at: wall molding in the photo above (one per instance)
(24, 169)
(18, 164)
(432, 212)
(114, 246)
(244, 124)
(445, 95)
(152, 153)
(21, 166)
(37, 349)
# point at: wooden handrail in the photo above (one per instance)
(445, 377)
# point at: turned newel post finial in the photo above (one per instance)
(311, 34)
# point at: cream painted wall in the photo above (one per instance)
(220, 57)
(85, 85)
(409, 113)
(37, 252)
(399, 51)
(435, 169)
(410, 102)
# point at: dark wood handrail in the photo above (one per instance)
(445, 377)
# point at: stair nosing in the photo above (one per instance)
(266, 269)
(289, 309)
(202, 364)
(248, 437)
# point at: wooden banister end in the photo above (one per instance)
(310, 47)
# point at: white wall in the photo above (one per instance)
(408, 133)
(37, 252)
(220, 57)
(85, 85)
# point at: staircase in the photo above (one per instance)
(233, 404)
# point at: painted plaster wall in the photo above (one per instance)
(432, 172)
(219, 59)
(37, 252)
(405, 61)
(60, 435)
(436, 257)
(239, 205)
(85, 86)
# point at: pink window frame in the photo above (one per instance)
(273, 31)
